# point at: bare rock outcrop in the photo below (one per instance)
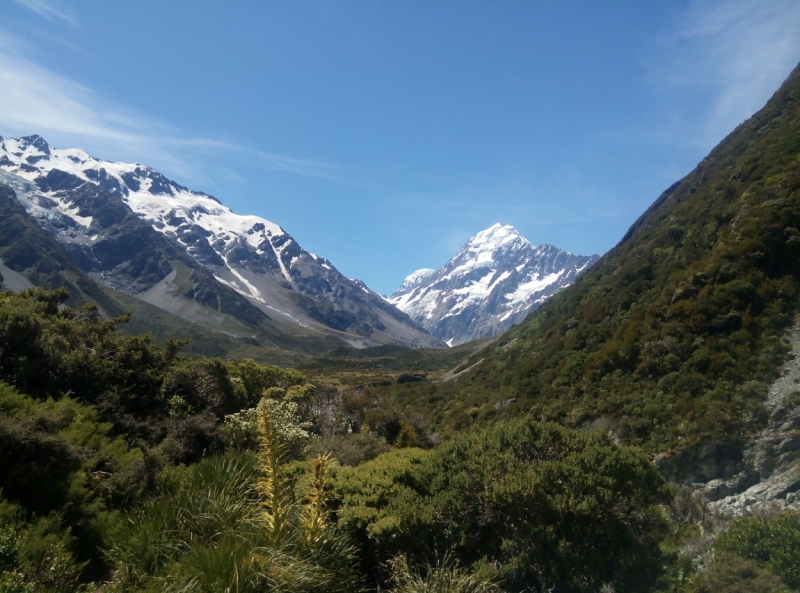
(770, 469)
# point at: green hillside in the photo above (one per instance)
(672, 337)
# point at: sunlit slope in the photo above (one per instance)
(672, 337)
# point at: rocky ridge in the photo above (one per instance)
(138, 232)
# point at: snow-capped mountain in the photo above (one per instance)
(132, 228)
(493, 282)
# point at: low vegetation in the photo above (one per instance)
(129, 467)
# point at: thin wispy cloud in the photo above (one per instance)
(50, 9)
(736, 51)
(37, 100)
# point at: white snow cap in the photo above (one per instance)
(493, 237)
(416, 278)
(160, 201)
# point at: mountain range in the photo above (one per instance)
(496, 279)
(129, 229)
(135, 232)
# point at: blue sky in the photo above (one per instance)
(382, 135)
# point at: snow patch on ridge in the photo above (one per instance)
(416, 278)
(526, 289)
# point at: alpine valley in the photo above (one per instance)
(124, 236)
(493, 282)
(639, 432)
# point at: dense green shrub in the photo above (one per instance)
(770, 542)
(57, 457)
(348, 449)
(46, 350)
(59, 453)
(540, 504)
(35, 554)
(734, 574)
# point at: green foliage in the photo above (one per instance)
(35, 555)
(734, 574)
(204, 533)
(543, 505)
(251, 379)
(348, 449)
(366, 493)
(46, 351)
(58, 456)
(147, 392)
(200, 503)
(407, 437)
(771, 542)
(391, 359)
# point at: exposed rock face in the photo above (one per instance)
(769, 471)
(493, 282)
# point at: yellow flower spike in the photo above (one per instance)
(315, 516)
(275, 490)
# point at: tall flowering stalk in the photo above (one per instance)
(278, 428)
(314, 519)
(277, 499)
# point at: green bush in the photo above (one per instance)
(771, 542)
(445, 576)
(35, 555)
(542, 504)
(46, 351)
(348, 449)
(729, 573)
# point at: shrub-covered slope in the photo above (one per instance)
(672, 337)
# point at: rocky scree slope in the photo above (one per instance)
(494, 282)
(138, 232)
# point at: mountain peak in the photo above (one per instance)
(37, 142)
(494, 237)
(494, 281)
